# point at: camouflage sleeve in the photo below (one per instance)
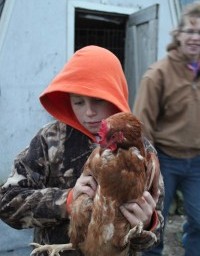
(25, 199)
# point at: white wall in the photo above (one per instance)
(33, 49)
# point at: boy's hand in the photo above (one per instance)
(139, 210)
(85, 185)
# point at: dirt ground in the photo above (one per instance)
(173, 236)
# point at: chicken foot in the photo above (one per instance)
(137, 230)
(52, 249)
(134, 232)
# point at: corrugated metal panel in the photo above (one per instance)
(141, 46)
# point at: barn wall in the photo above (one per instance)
(32, 51)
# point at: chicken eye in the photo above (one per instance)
(113, 136)
(117, 137)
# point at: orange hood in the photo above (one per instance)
(92, 71)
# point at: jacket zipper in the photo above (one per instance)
(194, 86)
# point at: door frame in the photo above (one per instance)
(72, 5)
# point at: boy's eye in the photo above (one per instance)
(78, 102)
(97, 100)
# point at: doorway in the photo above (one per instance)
(131, 34)
(107, 30)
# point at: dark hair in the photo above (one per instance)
(191, 11)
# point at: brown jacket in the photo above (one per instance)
(168, 104)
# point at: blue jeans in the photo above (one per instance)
(183, 174)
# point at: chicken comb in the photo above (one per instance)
(103, 129)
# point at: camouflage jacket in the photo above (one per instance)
(35, 193)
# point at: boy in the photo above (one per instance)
(91, 87)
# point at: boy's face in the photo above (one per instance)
(90, 111)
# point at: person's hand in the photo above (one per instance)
(85, 184)
(139, 210)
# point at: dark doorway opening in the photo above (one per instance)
(101, 28)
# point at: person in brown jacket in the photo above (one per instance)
(168, 104)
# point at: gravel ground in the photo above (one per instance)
(173, 236)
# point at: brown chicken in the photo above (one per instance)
(122, 169)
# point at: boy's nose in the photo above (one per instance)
(90, 111)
